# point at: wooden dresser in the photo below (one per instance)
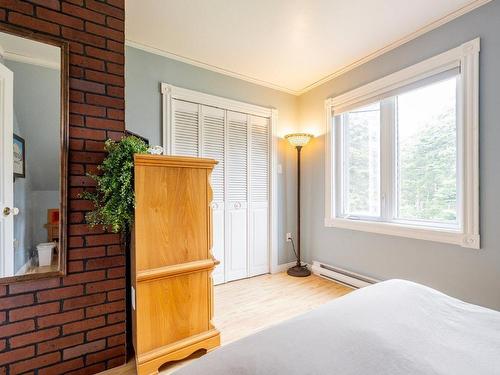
(172, 262)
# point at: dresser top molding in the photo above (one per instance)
(173, 161)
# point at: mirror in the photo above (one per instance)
(32, 156)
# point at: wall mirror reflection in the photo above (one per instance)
(32, 167)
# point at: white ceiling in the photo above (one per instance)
(286, 44)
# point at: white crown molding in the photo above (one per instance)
(210, 67)
(31, 60)
(425, 29)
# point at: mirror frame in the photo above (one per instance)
(64, 149)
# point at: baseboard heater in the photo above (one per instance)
(342, 276)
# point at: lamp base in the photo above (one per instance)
(299, 271)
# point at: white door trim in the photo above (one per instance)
(170, 92)
(273, 198)
(6, 171)
(214, 101)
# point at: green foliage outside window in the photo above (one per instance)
(362, 161)
(428, 179)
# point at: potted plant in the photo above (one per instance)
(114, 198)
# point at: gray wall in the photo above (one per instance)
(36, 119)
(472, 275)
(37, 107)
(145, 71)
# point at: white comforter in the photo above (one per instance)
(394, 327)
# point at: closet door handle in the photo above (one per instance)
(7, 211)
(237, 205)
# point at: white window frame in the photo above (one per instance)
(466, 58)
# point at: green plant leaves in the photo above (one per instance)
(114, 198)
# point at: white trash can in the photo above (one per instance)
(45, 253)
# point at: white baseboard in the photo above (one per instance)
(218, 279)
(283, 267)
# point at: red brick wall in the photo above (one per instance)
(75, 324)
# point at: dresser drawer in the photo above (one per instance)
(172, 308)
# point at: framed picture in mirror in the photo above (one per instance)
(19, 156)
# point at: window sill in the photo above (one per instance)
(443, 235)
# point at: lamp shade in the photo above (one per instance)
(299, 139)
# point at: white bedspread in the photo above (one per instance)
(394, 327)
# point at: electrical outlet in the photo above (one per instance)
(288, 237)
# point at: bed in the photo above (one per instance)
(393, 327)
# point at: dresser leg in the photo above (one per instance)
(152, 365)
(148, 368)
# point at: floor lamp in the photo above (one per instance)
(298, 140)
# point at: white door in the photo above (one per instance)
(212, 140)
(240, 182)
(186, 135)
(6, 173)
(258, 207)
(236, 259)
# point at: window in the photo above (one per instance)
(426, 149)
(361, 161)
(402, 152)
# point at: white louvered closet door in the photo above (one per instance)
(185, 128)
(236, 260)
(240, 143)
(213, 147)
(258, 206)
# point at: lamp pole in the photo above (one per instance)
(298, 270)
(299, 148)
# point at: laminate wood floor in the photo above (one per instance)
(246, 306)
